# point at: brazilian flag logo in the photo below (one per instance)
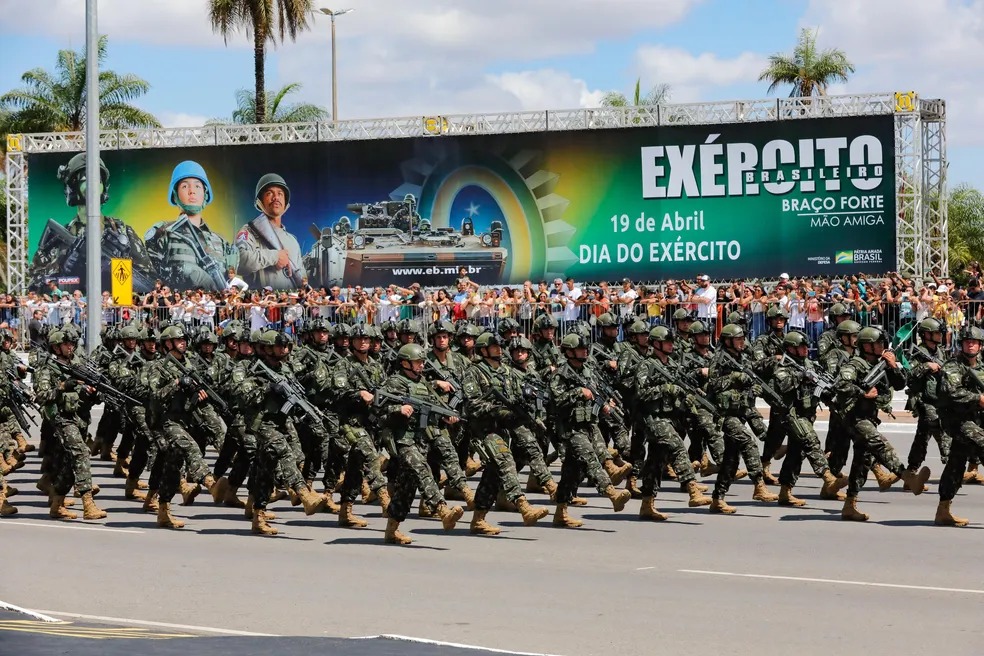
(844, 257)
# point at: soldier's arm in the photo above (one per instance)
(785, 380)
(847, 389)
(897, 377)
(479, 404)
(252, 258)
(953, 392)
(565, 394)
(161, 384)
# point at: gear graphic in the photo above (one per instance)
(517, 182)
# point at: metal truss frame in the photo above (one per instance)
(920, 149)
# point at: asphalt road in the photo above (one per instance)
(770, 579)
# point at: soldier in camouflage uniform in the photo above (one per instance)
(923, 392)
(830, 338)
(122, 370)
(603, 357)
(661, 407)
(239, 447)
(577, 422)
(111, 423)
(732, 391)
(628, 361)
(526, 448)
(838, 444)
(507, 328)
(401, 431)
(493, 423)
(67, 403)
(767, 350)
(264, 400)
(546, 355)
(390, 338)
(961, 398)
(465, 338)
(13, 445)
(174, 397)
(798, 414)
(210, 429)
(859, 408)
(702, 426)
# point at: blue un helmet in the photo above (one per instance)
(188, 169)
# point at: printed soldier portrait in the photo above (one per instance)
(269, 256)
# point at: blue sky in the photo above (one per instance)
(446, 56)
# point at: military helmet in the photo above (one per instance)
(235, 323)
(545, 321)
(272, 180)
(6, 335)
(473, 330)
(411, 352)
(183, 171)
(520, 343)
(681, 315)
(605, 320)
(319, 324)
(205, 335)
(129, 331)
(697, 328)
(440, 327)
(972, 333)
(408, 327)
(71, 175)
(374, 332)
(254, 336)
(582, 328)
(661, 334)
(838, 310)
(776, 312)
(732, 330)
(735, 318)
(848, 327)
(149, 334)
(489, 339)
(795, 338)
(271, 337)
(361, 330)
(341, 330)
(638, 328)
(174, 332)
(574, 340)
(871, 334)
(507, 324)
(235, 333)
(72, 332)
(56, 337)
(930, 325)
(388, 325)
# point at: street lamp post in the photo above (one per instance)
(334, 71)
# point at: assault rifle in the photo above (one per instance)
(457, 393)
(683, 382)
(823, 383)
(88, 375)
(926, 356)
(600, 398)
(196, 381)
(423, 408)
(21, 400)
(768, 393)
(292, 393)
(516, 405)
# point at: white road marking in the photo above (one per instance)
(869, 584)
(643, 569)
(441, 643)
(30, 613)
(164, 625)
(28, 523)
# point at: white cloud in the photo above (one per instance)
(935, 47)
(545, 89)
(181, 119)
(691, 76)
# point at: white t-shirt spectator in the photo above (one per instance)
(571, 309)
(707, 310)
(627, 298)
(797, 313)
(257, 318)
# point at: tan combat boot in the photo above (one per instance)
(648, 511)
(23, 445)
(468, 496)
(617, 474)
(786, 497)
(767, 475)
(188, 492)
(120, 470)
(209, 484)
(707, 468)
(295, 498)
(423, 511)
(532, 485)
(762, 493)
(479, 526)
(632, 485)
(384, 500)
(393, 535)
(348, 519)
(697, 497)
(472, 466)
(579, 501)
(850, 511)
(562, 520)
(531, 514)
(974, 476)
(684, 487)
(12, 491)
(4, 466)
(551, 489)
(131, 492)
(366, 492)
(916, 481)
(106, 452)
(740, 474)
(832, 485)
(89, 508)
(670, 473)
(231, 499)
(720, 506)
(503, 504)
(449, 515)
(150, 503)
(57, 509)
(618, 497)
(260, 526)
(885, 478)
(165, 519)
(946, 518)
(6, 510)
(330, 506)
(249, 507)
(312, 501)
(220, 489)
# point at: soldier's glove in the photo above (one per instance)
(70, 385)
(186, 382)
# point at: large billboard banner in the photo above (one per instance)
(809, 197)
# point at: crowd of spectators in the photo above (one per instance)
(889, 301)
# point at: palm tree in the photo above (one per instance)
(809, 70)
(56, 101)
(266, 20)
(279, 112)
(658, 95)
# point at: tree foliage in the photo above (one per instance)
(278, 111)
(657, 95)
(808, 70)
(965, 221)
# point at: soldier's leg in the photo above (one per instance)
(76, 457)
(168, 464)
(243, 462)
(107, 430)
(880, 448)
(920, 443)
(863, 433)
(637, 447)
(413, 459)
(572, 472)
(230, 445)
(143, 443)
(614, 429)
(526, 449)
(792, 464)
(312, 446)
(403, 489)
(354, 468)
(734, 437)
(581, 446)
(448, 457)
(125, 449)
(774, 436)
(363, 447)
(756, 423)
(196, 471)
(952, 478)
(212, 428)
(159, 451)
(710, 434)
(837, 444)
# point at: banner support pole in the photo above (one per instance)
(93, 177)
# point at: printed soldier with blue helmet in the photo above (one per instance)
(269, 256)
(186, 253)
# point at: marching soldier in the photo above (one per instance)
(838, 444)
(702, 426)
(766, 350)
(830, 338)
(923, 393)
(545, 352)
(527, 449)
(859, 403)
(239, 448)
(628, 361)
